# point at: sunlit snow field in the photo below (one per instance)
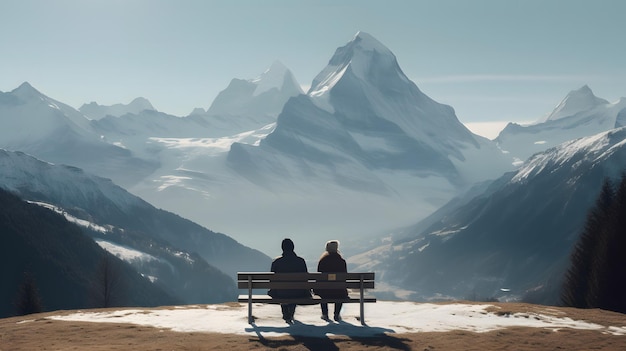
(381, 317)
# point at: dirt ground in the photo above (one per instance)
(46, 334)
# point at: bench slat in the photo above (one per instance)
(305, 285)
(312, 301)
(304, 276)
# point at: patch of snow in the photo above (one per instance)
(125, 253)
(382, 317)
(447, 232)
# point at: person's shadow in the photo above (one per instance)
(315, 337)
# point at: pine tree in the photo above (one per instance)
(613, 295)
(579, 279)
(28, 299)
(597, 273)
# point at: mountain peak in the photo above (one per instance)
(576, 101)
(365, 57)
(141, 103)
(276, 76)
(261, 98)
(367, 42)
(25, 91)
(25, 85)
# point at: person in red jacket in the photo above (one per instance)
(332, 262)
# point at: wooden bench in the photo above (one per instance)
(269, 280)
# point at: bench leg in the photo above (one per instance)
(250, 321)
(361, 303)
(249, 312)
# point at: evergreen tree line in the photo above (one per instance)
(596, 277)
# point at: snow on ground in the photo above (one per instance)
(381, 317)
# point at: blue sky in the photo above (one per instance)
(492, 60)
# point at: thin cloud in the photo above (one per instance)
(468, 78)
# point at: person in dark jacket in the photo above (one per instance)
(332, 262)
(289, 262)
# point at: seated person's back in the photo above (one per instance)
(289, 262)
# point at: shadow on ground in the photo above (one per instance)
(316, 337)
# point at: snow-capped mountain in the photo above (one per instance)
(95, 111)
(575, 102)
(246, 105)
(511, 239)
(579, 114)
(177, 249)
(362, 114)
(363, 151)
(55, 132)
(28, 117)
(253, 103)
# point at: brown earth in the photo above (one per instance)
(45, 334)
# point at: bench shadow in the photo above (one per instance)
(315, 337)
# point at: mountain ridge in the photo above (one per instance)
(508, 240)
(117, 217)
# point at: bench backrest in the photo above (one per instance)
(270, 280)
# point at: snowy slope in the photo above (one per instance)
(38, 125)
(512, 239)
(579, 114)
(112, 214)
(28, 117)
(95, 111)
(243, 107)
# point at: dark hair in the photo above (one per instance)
(287, 245)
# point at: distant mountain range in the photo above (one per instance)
(362, 153)
(579, 114)
(94, 111)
